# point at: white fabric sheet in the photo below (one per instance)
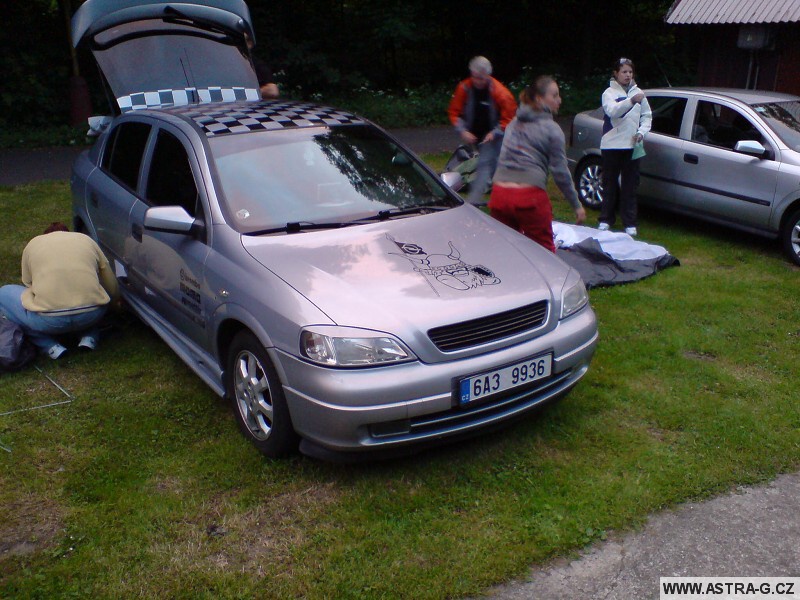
(619, 246)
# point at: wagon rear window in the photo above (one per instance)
(153, 55)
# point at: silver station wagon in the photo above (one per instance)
(300, 260)
(724, 155)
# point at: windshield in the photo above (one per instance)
(784, 119)
(318, 175)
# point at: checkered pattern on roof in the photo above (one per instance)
(189, 95)
(244, 117)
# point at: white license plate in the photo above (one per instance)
(489, 383)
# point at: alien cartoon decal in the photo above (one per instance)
(447, 269)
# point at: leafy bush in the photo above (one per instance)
(426, 105)
(41, 137)
(577, 93)
(419, 106)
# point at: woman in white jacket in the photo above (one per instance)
(626, 120)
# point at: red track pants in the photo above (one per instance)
(526, 209)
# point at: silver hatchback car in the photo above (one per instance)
(303, 262)
(724, 155)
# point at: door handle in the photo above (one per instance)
(692, 159)
(93, 199)
(136, 232)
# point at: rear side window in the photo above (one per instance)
(124, 152)
(667, 114)
(171, 182)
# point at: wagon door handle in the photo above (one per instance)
(692, 159)
(136, 232)
(93, 199)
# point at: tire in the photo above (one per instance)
(589, 182)
(790, 236)
(257, 399)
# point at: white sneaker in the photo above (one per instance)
(631, 231)
(55, 351)
(87, 343)
(603, 226)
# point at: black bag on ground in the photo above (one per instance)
(16, 350)
(464, 160)
(462, 154)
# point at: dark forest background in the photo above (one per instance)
(381, 50)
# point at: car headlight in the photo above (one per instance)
(350, 347)
(573, 295)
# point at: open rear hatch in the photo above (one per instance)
(155, 54)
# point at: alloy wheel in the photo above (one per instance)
(253, 395)
(590, 185)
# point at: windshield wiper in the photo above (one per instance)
(383, 215)
(298, 226)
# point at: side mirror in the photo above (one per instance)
(169, 219)
(751, 148)
(453, 180)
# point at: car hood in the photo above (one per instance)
(408, 275)
(155, 53)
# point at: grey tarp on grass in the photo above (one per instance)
(605, 258)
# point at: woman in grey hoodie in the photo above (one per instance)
(533, 146)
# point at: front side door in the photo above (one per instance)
(169, 268)
(717, 181)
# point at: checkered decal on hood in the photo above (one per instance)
(244, 117)
(186, 96)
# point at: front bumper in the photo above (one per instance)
(347, 410)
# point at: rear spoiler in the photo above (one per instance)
(96, 16)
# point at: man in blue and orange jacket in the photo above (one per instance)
(480, 109)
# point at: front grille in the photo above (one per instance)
(488, 329)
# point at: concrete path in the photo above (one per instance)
(753, 532)
(428, 140)
(20, 166)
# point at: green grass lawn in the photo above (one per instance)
(143, 487)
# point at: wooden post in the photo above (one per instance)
(80, 103)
